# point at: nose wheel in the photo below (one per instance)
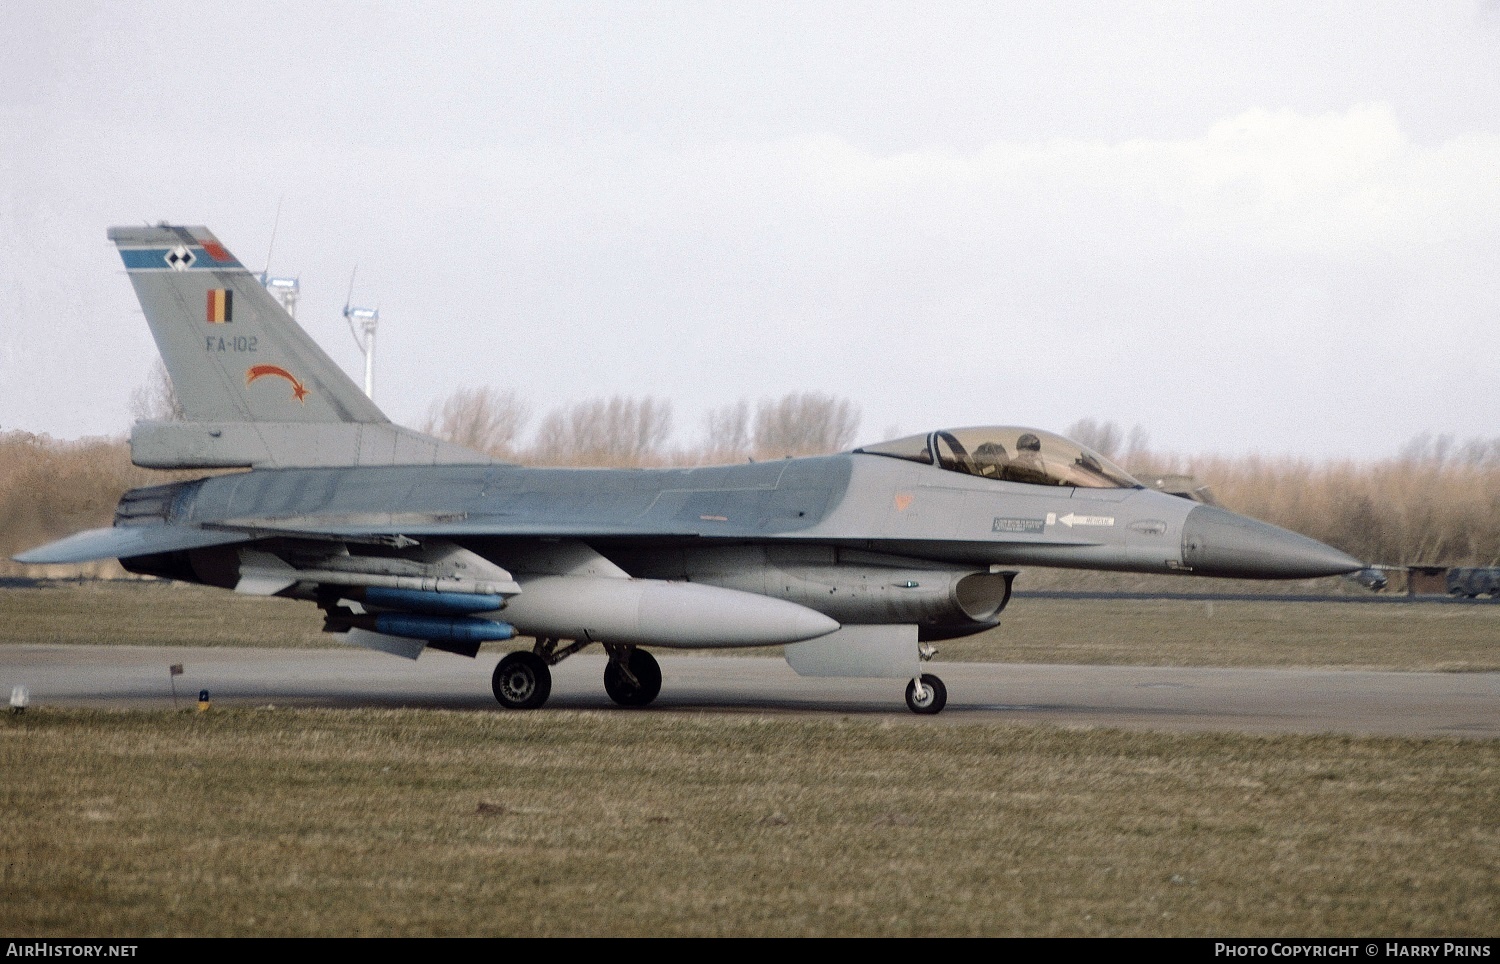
(926, 695)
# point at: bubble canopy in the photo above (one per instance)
(1011, 454)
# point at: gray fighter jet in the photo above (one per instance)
(854, 563)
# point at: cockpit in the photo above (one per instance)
(1010, 454)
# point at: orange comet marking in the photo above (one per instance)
(264, 371)
(903, 501)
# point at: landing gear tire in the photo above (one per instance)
(933, 697)
(647, 685)
(522, 681)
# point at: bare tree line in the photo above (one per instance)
(1426, 448)
(621, 431)
(156, 400)
(614, 431)
(1436, 502)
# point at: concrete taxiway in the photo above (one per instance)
(1237, 700)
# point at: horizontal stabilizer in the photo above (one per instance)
(122, 542)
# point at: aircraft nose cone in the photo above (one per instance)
(1216, 542)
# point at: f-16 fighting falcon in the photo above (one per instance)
(853, 563)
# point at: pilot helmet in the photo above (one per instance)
(1029, 443)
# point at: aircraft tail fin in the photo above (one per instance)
(234, 354)
(254, 388)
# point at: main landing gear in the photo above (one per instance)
(523, 680)
(633, 677)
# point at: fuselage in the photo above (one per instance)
(655, 520)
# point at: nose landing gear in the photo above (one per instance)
(926, 695)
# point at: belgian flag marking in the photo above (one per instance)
(220, 305)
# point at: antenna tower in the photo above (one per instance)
(286, 290)
(364, 333)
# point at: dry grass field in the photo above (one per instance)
(131, 612)
(425, 823)
(1438, 637)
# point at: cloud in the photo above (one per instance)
(1340, 184)
(1334, 182)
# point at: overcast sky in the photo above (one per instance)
(1243, 226)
